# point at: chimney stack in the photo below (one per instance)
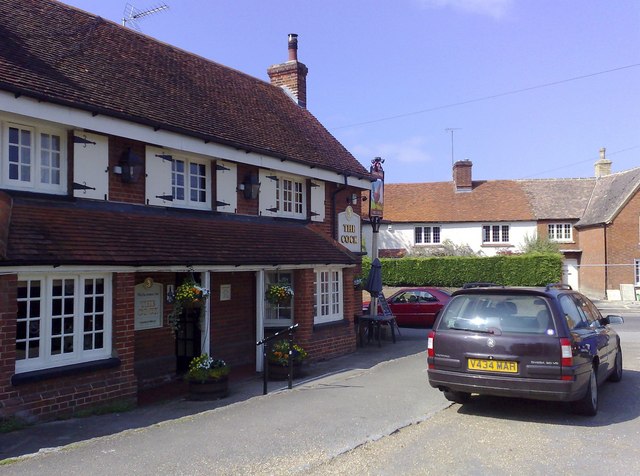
(292, 75)
(462, 175)
(603, 165)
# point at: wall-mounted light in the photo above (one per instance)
(250, 187)
(130, 167)
(352, 199)
(171, 294)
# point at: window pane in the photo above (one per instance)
(436, 234)
(505, 233)
(418, 234)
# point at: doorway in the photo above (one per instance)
(188, 339)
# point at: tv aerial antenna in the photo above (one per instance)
(452, 130)
(132, 14)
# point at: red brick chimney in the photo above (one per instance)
(292, 75)
(462, 175)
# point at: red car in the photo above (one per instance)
(415, 307)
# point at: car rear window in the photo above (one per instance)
(498, 313)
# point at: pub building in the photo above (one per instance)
(129, 167)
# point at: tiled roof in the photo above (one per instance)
(54, 52)
(50, 231)
(497, 200)
(610, 194)
(559, 199)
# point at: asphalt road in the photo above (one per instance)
(380, 420)
(501, 436)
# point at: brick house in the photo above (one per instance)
(594, 220)
(128, 166)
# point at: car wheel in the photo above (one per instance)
(588, 405)
(616, 375)
(457, 397)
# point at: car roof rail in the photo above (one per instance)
(479, 285)
(558, 286)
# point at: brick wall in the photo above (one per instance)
(120, 191)
(155, 353)
(623, 238)
(246, 206)
(233, 322)
(64, 396)
(592, 270)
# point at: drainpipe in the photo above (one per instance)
(606, 262)
(334, 228)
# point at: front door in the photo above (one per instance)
(570, 273)
(188, 338)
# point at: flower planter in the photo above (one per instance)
(209, 390)
(281, 372)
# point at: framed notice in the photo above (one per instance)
(148, 305)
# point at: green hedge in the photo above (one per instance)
(535, 269)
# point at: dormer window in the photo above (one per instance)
(33, 158)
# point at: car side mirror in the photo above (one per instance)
(611, 319)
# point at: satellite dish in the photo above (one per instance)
(132, 14)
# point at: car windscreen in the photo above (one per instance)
(498, 314)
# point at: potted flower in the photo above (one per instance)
(208, 378)
(278, 359)
(279, 293)
(187, 296)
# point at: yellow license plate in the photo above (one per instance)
(484, 365)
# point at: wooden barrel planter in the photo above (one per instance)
(209, 390)
(281, 372)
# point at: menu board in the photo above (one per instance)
(386, 311)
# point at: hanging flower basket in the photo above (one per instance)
(188, 295)
(279, 293)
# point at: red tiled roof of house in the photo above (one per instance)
(62, 55)
(496, 200)
(50, 231)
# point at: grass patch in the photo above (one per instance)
(12, 424)
(120, 406)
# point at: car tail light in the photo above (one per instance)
(566, 356)
(430, 352)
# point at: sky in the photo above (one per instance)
(522, 88)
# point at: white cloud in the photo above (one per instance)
(493, 8)
(411, 151)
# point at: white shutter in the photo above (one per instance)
(158, 180)
(226, 186)
(268, 204)
(91, 167)
(317, 200)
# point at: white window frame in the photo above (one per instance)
(75, 311)
(327, 295)
(36, 159)
(430, 231)
(560, 232)
(637, 271)
(189, 163)
(497, 232)
(279, 315)
(291, 196)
